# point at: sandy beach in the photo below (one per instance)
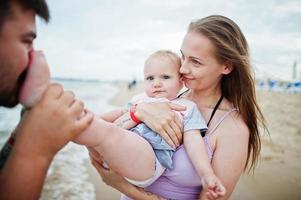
(277, 175)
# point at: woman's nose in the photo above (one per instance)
(184, 69)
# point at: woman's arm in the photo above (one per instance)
(160, 117)
(230, 154)
(116, 181)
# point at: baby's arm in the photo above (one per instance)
(198, 155)
(124, 121)
(113, 115)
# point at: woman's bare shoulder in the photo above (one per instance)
(234, 125)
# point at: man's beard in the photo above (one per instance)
(10, 97)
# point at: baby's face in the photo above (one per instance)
(162, 78)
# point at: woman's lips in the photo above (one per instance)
(185, 79)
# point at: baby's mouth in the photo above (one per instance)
(158, 91)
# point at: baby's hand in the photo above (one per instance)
(213, 187)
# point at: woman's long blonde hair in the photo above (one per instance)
(238, 86)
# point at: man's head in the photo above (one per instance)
(161, 75)
(17, 32)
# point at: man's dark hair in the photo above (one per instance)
(38, 6)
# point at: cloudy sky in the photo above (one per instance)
(110, 39)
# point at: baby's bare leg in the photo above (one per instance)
(125, 152)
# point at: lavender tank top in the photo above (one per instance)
(182, 182)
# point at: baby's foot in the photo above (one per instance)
(213, 187)
(36, 81)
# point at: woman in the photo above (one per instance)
(217, 72)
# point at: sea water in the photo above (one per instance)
(67, 177)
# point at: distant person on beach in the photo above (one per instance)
(46, 127)
(132, 84)
(217, 72)
(142, 161)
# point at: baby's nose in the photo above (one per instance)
(157, 83)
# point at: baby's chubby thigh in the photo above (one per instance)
(125, 152)
(132, 156)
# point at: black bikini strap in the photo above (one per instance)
(214, 109)
(182, 93)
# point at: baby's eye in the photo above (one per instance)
(166, 77)
(149, 78)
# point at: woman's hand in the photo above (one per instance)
(108, 176)
(116, 181)
(161, 118)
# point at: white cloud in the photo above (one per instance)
(110, 39)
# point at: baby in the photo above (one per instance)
(139, 155)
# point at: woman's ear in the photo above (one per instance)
(227, 67)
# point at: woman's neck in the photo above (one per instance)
(205, 98)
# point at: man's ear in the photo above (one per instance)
(228, 67)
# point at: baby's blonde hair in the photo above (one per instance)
(166, 54)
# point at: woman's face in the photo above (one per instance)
(200, 69)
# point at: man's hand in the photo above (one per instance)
(55, 120)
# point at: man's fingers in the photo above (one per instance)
(84, 121)
(177, 107)
(67, 98)
(77, 108)
(54, 91)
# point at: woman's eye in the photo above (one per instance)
(195, 62)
